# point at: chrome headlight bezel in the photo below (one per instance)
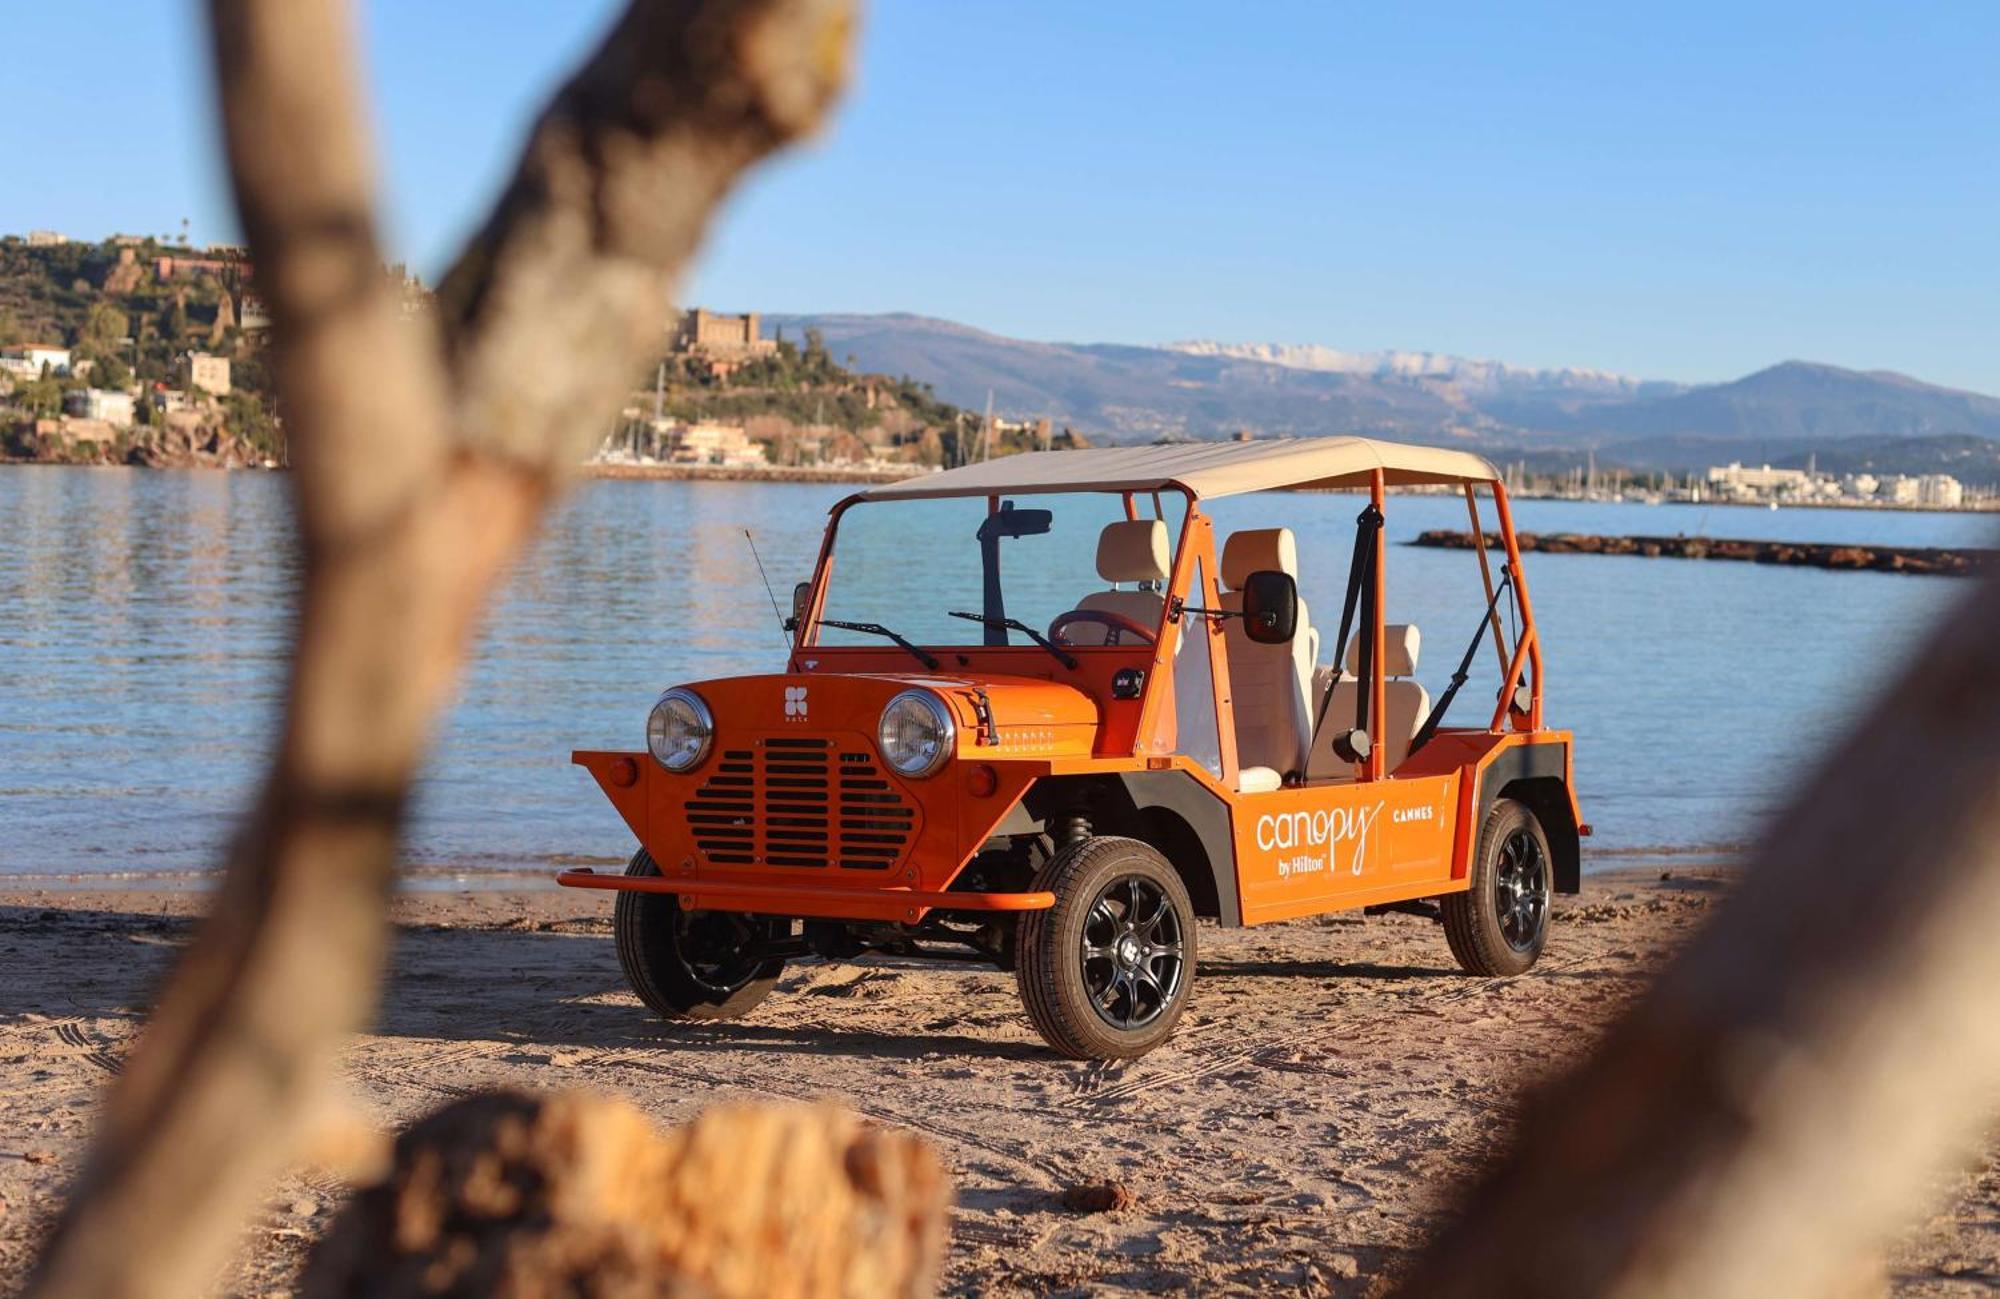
(679, 757)
(944, 734)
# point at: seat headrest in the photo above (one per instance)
(1134, 550)
(1399, 658)
(1255, 550)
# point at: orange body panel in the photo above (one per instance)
(792, 796)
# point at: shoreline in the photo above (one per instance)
(593, 469)
(749, 474)
(850, 474)
(1987, 506)
(416, 880)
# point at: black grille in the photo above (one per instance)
(799, 801)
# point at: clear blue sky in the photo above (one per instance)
(1689, 193)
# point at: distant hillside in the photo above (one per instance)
(1131, 393)
(1209, 390)
(1800, 401)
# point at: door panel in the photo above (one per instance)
(1322, 848)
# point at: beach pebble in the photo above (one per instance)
(1098, 1197)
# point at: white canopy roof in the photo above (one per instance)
(1207, 469)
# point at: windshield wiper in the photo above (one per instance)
(1015, 624)
(924, 657)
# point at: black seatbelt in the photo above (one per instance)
(1429, 728)
(1367, 528)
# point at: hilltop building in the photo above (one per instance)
(207, 372)
(1737, 480)
(46, 239)
(714, 444)
(1940, 492)
(251, 314)
(711, 333)
(26, 360)
(720, 343)
(1899, 489)
(105, 405)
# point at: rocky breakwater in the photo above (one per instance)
(1958, 562)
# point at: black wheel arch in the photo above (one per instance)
(1169, 810)
(1533, 774)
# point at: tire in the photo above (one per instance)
(678, 961)
(1106, 972)
(1500, 924)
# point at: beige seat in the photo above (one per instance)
(1405, 701)
(1132, 551)
(1268, 684)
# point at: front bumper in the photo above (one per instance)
(819, 901)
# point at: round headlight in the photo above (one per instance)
(916, 733)
(679, 729)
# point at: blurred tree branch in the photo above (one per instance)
(1769, 1115)
(425, 450)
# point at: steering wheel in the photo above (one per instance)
(1116, 626)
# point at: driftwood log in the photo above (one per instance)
(425, 451)
(575, 1195)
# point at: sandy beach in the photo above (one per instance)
(1301, 1134)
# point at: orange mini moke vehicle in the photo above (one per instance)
(988, 747)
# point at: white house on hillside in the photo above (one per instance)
(27, 359)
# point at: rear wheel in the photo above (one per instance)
(690, 964)
(1105, 973)
(1500, 924)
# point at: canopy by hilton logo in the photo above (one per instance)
(1310, 842)
(795, 702)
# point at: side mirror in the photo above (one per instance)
(1270, 607)
(800, 594)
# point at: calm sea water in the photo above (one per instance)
(144, 619)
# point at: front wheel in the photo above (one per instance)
(1500, 924)
(1105, 973)
(690, 965)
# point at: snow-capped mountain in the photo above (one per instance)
(1464, 373)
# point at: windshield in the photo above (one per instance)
(910, 565)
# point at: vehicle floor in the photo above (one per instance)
(1332, 1081)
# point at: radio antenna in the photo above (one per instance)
(782, 628)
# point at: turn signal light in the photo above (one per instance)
(981, 780)
(624, 773)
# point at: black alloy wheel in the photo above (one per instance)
(1132, 952)
(1499, 925)
(1521, 890)
(1106, 972)
(691, 965)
